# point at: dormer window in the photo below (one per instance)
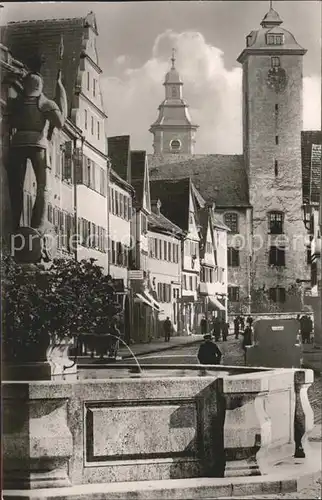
(175, 145)
(274, 39)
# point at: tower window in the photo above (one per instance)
(275, 62)
(276, 168)
(175, 145)
(174, 91)
(276, 256)
(231, 220)
(277, 294)
(276, 108)
(233, 257)
(276, 140)
(274, 39)
(275, 222)
(233, 293)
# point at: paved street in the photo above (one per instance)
(232, 355)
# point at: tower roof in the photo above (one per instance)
(271, 19)
(258, 41)
(173, 75)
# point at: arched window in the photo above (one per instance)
(175, 145)
(275, 222)
(231, 220)
(174, 91)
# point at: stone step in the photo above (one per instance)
(170, 489)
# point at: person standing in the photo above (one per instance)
(236, 327)
(224, 330)
(114, 343)
(247, 339)
(242, 322)
(209, 353)
(203, 325)
(167, 327)
(217, 328)
(249, 320)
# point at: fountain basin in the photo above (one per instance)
(176, 422)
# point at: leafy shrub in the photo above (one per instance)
(67, 298)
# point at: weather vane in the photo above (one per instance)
(173, 58)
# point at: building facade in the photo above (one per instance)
(77, 156)
(213, 264)
(164, 266)
(258, 194)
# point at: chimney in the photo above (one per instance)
(155, 206)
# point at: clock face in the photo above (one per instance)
(277, 79)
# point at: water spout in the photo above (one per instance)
(129, 349)
(123, 342)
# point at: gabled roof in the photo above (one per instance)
(138, 165)
(29, 39)
(121, 182)
(203, 216)
(311, 165)
(160, 222)
(218, 178)
(174, 195)
(120, 155)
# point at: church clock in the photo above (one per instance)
(277, 79)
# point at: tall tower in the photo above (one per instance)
(272, 122)
(173, 131)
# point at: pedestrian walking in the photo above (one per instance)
(203, 325)
(209, 353)
(225, 330)
(236, 327)
(247, 339)
(242, 322)
(216, 328)
(167, 327)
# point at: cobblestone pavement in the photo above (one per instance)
(311, 491)
(233, 355)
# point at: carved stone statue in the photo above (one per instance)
(32, 119)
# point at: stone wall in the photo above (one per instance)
(270, 192)
(178, 422)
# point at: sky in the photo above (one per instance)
(134, 49)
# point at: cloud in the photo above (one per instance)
(311, 103)
(122, 59)
(213, 92)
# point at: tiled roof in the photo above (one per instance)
(120, 155)
(311, 165)
(138, 159)
(174, 197)
(219, 178)
(159, 221)
(121, 182)
(29, 39)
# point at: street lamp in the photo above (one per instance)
(307, 215)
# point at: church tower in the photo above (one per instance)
(272, 64)
(173, 131)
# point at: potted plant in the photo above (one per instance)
(43, 309)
